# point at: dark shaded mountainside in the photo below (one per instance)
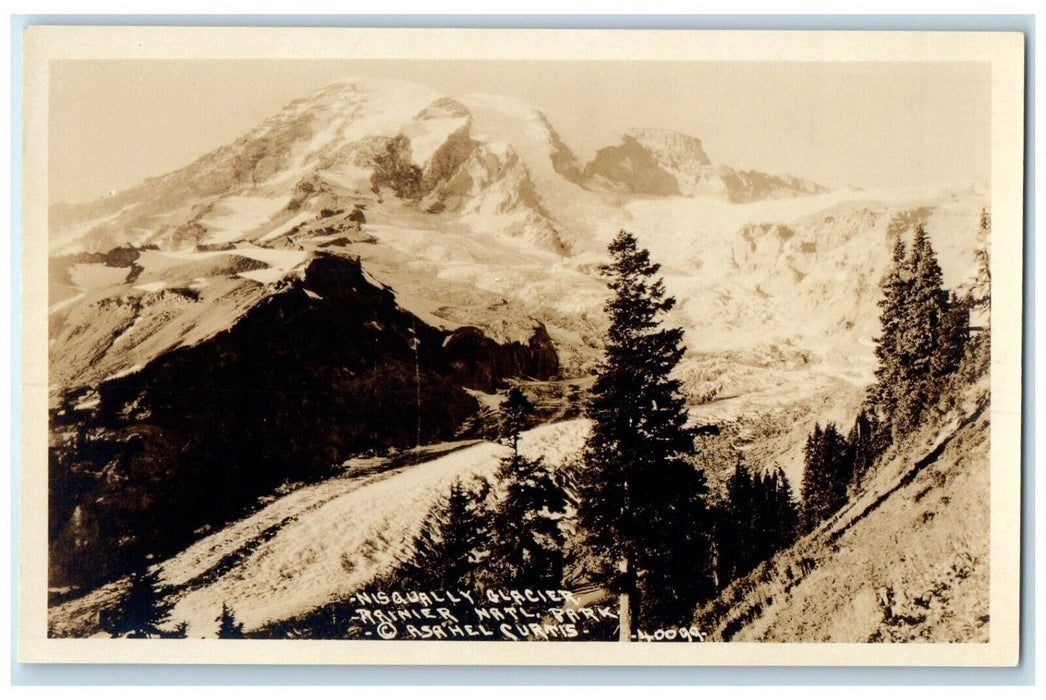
(325, 368)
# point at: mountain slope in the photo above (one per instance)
(478, 213)
(326, 367)
(317, 543)
(906, 560)
(666, 163)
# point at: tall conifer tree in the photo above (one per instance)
(925, 308)
(641, 507)
(889, 374)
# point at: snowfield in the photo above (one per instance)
(321, 542)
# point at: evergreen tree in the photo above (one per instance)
(952, 337)
(827, 474)
(452, 543)
(734, 541)
(981, 292)
(575, 402)
(228, 627)
(890, 372)
(641, 507)
(142, 611)
(924, 333)
(864, 445)
(181, 631)
(924, 309)
(526, 540)
(786, 511)
(515, 411)
(922, 354)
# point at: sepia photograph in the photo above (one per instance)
(476, 346)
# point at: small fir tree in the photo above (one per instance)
(516, 409)
(526, 538)
(143, 611)
(452, 544)
(228, 627)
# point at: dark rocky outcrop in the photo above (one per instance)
(327, 367)
(448, 158)
(631, 167)
(481, 363)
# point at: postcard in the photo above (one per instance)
(542, 347)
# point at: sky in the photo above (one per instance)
(113, 123)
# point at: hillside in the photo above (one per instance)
(907, 559)
(317, 543)
(326, 367)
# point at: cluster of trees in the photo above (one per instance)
(144, 612)
(924, 332)
(760, 517)
(504, 535)
(645, 529)
(834, 465)
(924, 338)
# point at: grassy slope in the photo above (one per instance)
(906, 560)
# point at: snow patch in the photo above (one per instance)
(296, 220)
(233, 217)
(88, 403)
(65, 303)
(124, 372)
(151, 286)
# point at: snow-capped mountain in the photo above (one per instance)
(490, 160)
(481, 191)
(381, 234)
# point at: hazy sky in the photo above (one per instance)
(114, 122)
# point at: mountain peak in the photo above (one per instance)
(673, 144)
(358, 133)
